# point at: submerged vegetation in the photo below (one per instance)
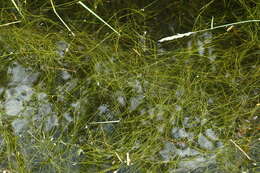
(81, 95)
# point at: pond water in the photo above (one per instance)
(28, 107)
(132, 103)
(31, 109)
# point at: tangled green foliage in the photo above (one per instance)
(174, 77)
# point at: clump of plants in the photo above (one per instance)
(132, 86)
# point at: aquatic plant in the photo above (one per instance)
(89, 86)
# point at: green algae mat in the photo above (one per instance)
(129, 86)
